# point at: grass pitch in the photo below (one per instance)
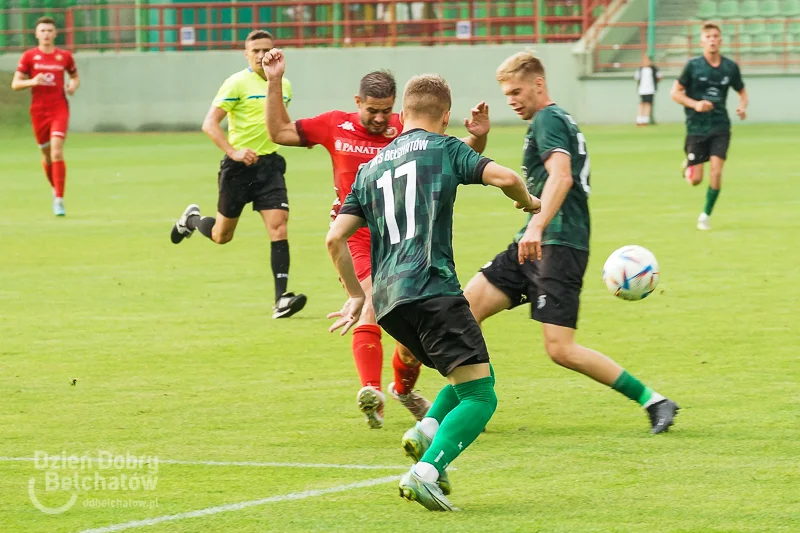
(175, 355)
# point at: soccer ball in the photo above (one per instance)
(631, 273)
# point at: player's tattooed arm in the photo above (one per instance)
(478, 126)
(280, 127)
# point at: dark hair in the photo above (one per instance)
(378, 84)
(44, 20)
(258, 34)
(427, 95)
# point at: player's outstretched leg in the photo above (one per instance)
(428, 494)
(181, 229)
(563, 350)
(406, 371)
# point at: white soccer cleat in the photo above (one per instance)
(704, 222)
(58, 207)
(414, 402)
(180, 231)
(371, 402)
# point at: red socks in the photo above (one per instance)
(48, 171)
(405, 377)
(368, 354)
(59, 169)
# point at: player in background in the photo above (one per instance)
(353, 139)
(251, 171)
(702, 89)
(42, 70)
(556, 166)
(405, 195)
(647, 77)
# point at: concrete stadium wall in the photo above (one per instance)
(173, 90)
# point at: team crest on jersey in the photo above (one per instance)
(348, 126)
(59, 57)
(37, 57)
(725, 80)
(337, 145)
(390, 132)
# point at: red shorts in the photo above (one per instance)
(359, 248)
(48, 123)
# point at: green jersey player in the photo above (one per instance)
(556, 165)
(405, 195)
(702, 89)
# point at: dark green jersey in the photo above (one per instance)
(406, 194)
(554, 130)
(701, 81)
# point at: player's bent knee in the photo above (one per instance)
(561, 353)
(222, 238)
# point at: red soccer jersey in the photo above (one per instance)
(51, 93)
(349, 143)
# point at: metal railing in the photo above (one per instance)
(305, 23)
(750, 42)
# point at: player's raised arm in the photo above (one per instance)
(280, 127)
(478, 126)
(342, 229)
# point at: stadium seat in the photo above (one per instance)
(745, 43)
(762, 44)
(524, 13)
(791, 8)
(769, 8)
(707, 10)
(754, 27)
(777, 25)
(749, 9)
(728, 9)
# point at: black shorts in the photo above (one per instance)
(700, 148)
(441, 332)
(646, 98)
(261, 183)
(552, 285)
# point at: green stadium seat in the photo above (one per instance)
(728, 9)
(762, 44)
(745, 43)
(524, 14)
(707, 10)
(749, 9)
(754, 27)
(791, 8)
(794, 41)
(769, 8)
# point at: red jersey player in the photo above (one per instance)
(42, 69)
(353, 139)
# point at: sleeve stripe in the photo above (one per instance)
(562, 151)
(477, 175)
(226, 99)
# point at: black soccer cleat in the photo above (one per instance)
(180, 231)
(662, 415)
(288, 304)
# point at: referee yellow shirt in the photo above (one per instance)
(242, 97)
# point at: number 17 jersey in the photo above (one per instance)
(406, 194)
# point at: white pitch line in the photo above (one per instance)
(239, 506)
(252, 463)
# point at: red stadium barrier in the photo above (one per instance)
(306, 23)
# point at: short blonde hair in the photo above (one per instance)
(522, 64)
(427, 95)
(708, 26)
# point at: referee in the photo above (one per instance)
(252, 171)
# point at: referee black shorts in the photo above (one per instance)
(261, 183)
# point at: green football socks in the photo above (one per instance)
(636, 390)
(711, 199)
(462, 425)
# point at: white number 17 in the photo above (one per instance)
(385, 184)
